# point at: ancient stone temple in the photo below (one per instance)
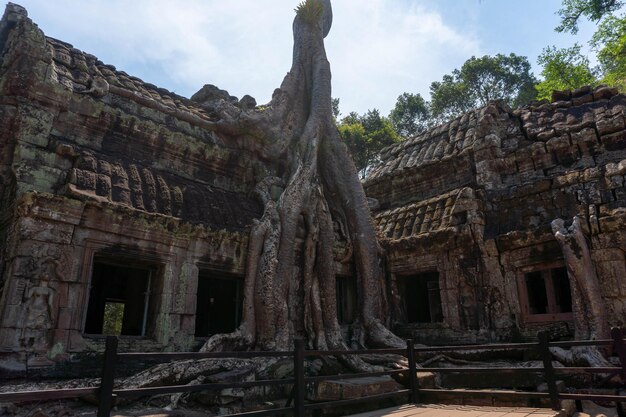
(123, 211)
(466, 211)
(116, 200)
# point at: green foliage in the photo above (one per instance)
(355, 138)
(310, 10)
(573, 10)
(365, 136)
(563, 69)
(410, 115)
(113, 318)
(610, 43)
(335, 104)
(481, 80)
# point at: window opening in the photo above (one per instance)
(537, 294)
(219, 304)
(346, 299)
(546, 295)
(119, 297)
(422, 298)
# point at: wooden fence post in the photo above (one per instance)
(413, 382)
(298, 370)
(549, 375)
(105, 403)
(620, 347)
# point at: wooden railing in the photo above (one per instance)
(106, 393)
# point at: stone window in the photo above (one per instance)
(421, 297)
(346, 299)
(120, 298)
(219, 303)
(545, 294)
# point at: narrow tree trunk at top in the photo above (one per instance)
(320, 188)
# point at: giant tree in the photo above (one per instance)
(573, 10)
(609, 40)
(480, 80)
(610, 43)
(563, 69)
(410, 115)
(365, 136)
(313, 195)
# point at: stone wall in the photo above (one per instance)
(99, 166)
(522, 168)
(96, 163)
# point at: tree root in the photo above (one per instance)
(581, 356)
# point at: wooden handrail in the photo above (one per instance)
(107, 394)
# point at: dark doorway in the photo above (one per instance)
(219, 304)
(422, 298)
(346, 299)
(537, 294)
(118, 300)
(547, 295)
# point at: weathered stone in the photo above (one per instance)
(353, 388)
(113, 171)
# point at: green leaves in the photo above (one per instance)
(568, 68)
(410, 116)
(480, 80)
(310, 11)
(610, 43)
(563, 69)
(595, 10)
(365, 136)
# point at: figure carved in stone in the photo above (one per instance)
(39, 310)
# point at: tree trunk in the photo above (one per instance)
(321, 192)
(590, 320)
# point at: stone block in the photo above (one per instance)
(610, 125)
(43, 231)
(615, 181)
(353, 388)
(13, 316)
(9, 338)
(614, 141)
(64, 320)
(36, 125)
(41, 178)
(85, 106)
(25, 153)
(584, 99)
(76, 342)
(586, 135)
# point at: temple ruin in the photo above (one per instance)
(124, 211)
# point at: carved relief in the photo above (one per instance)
(39, 315)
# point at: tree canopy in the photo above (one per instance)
(563, 69)
(365, 136)
(609, 42)
(479, 80)
(573, 10)
(411, 115)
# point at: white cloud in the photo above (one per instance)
(390, 47)
(377, 48)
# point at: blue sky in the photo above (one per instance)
(378, 49)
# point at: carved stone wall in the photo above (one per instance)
(523, 169)
(96, 163)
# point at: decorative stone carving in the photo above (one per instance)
(39, 314)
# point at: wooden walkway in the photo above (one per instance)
(435, 410)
